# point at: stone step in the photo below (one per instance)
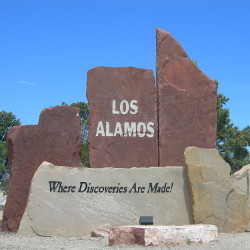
(162, 235)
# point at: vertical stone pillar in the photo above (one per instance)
(186, 102)
(123, 121)
(56, 139)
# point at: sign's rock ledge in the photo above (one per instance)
(162, 235)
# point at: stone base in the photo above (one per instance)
(162, 235)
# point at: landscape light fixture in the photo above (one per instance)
(146, 220)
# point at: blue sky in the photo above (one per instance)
(47, 47)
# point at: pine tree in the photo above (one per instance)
(231, 141)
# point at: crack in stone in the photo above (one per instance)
(159, 43)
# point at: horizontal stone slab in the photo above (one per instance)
(162, 235)
(67, 201)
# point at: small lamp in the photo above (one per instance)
(146, 220)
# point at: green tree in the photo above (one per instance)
(84, 122)
(231, 141)
(7, 121)
(246, 131)
(3, 157)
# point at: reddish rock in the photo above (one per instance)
(162, 235)
(102, 231)
(122, 99)
(187, 103)
(127, 235)
(55, 139)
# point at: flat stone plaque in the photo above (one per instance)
(67, 201)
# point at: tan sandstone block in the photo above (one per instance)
(117, 196)
(215, 200)
(241, 181)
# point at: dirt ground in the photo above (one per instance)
(239, 241)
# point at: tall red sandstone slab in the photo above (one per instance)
(187, 102)
(123, 118)
(55, 139)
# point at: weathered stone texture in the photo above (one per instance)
(241, 182)
(187, 102)
(107, 89)
(80, 212)
(215, 199)
(102, 231)
(56, 139)
(162, 235)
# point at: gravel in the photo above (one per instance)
(240, 241)
(237, 241)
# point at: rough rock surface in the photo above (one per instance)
(187, 102)
(162, 235)
(102, 231)
(118, 98)
(215, 200)
(241, 180)
(56, 139)
(118, 196)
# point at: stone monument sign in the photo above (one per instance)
(137, 128)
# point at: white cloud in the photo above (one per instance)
(28, 83)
